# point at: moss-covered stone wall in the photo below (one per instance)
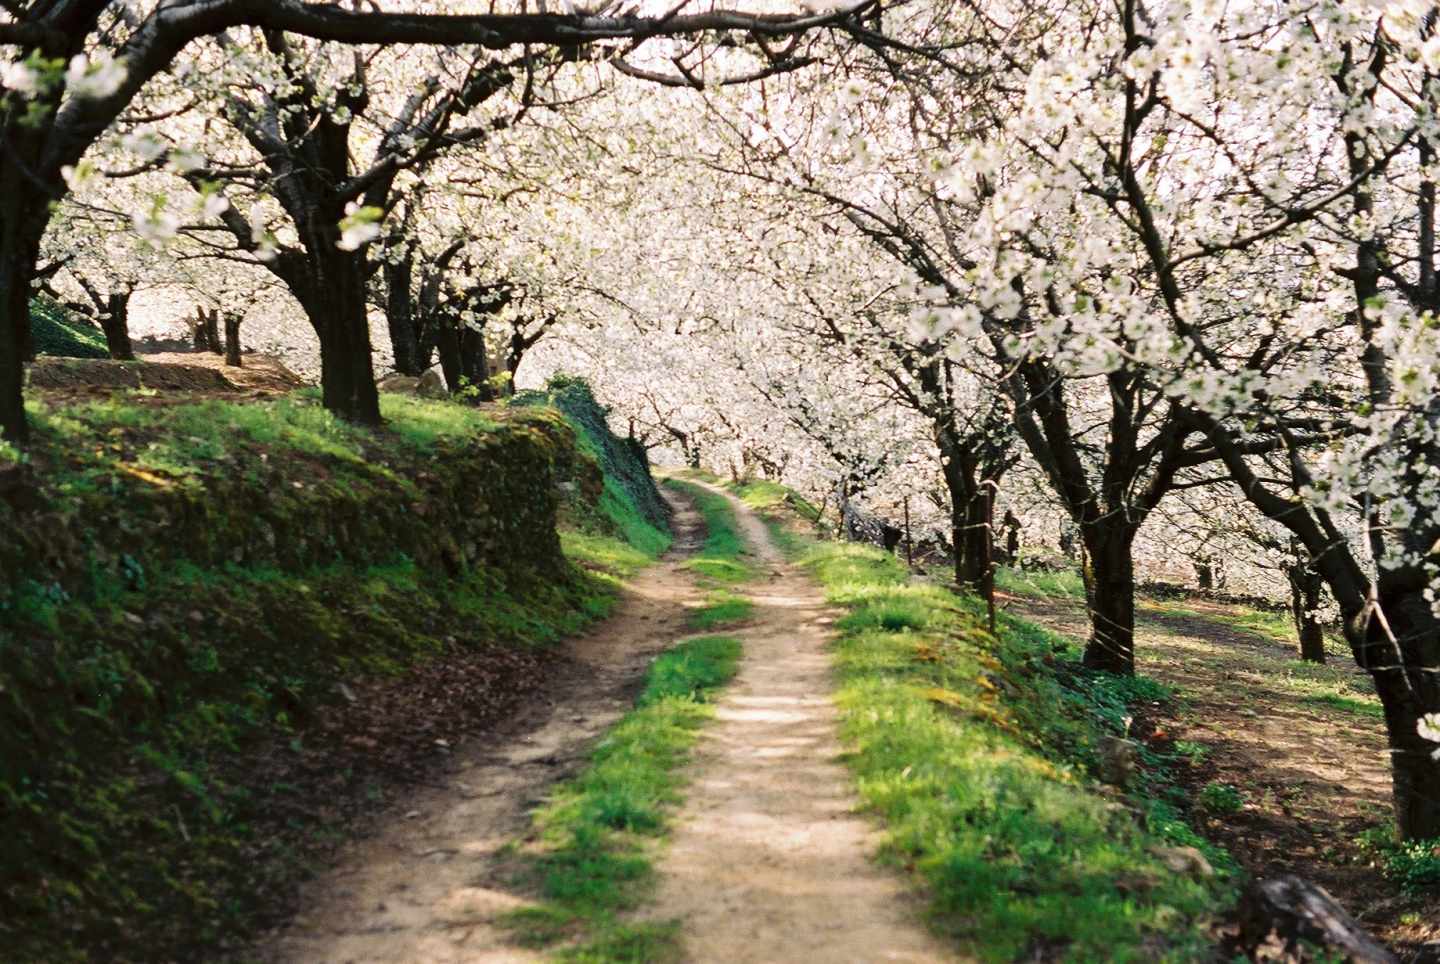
(489, 499)
(191, 598)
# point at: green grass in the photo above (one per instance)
(141, 675)
(1066, 584)
(975, 752)
(722, 608)
(765, 496)
(1369, 709)
(719, 559)
(56, 332)
(591, 862)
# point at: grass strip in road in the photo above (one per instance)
(591, 861)
(976, 752)
(720, 564)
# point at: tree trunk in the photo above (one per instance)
(347, 380)
(198, 334)
(1205, 575)
(20, 229)
(335, 307)
(232, 338)
(474, 366)
(212, 332)
(447, 343)
(400, 316)
(1408, 691)
(1305, 587)
(115, 321)
(14, 342)
(1109, 572)
(967, 512)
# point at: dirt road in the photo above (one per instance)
(423, 888)
(768, 861)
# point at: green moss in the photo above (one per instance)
(187, 587)
(56, 332)
(630, 505)
(591, 863)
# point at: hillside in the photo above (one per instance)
(230, 631)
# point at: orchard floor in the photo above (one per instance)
(1303, 745)
(161, 378)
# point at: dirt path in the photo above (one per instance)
(768, 861)
(1298, 740)
(421, 889)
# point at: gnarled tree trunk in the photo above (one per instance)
(1305, 589)
(331, 288)
(1400, 653)
(115, 321)
(1109, 573)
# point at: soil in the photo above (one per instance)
(188, 374)
(1313, 778)
(428, 883)
(769, 861)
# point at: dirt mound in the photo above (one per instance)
(198, 373)
(258, 373)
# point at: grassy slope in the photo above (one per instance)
(976, 752)
(176, 849)
(56, 333)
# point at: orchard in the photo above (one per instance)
(1141, 296)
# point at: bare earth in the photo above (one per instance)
(768, 860)
(423, 889)
(768, 863)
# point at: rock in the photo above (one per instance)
(431, 385)
(1117, 760)
(1294, 913)
(1184, 860)
(399, 384)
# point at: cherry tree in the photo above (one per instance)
(72, 71)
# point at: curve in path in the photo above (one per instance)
(422, 889)
(768, 860)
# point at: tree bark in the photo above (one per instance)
(1409, 688)
(1305, 589)
(14, 343)
(21, 227)
(333, 296)
(212, 332)
(115, 321)
(1109, 572)
(400, 317)
(474, 366)
(967, 510)
(232, 339)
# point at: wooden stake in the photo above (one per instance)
(909, 545)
